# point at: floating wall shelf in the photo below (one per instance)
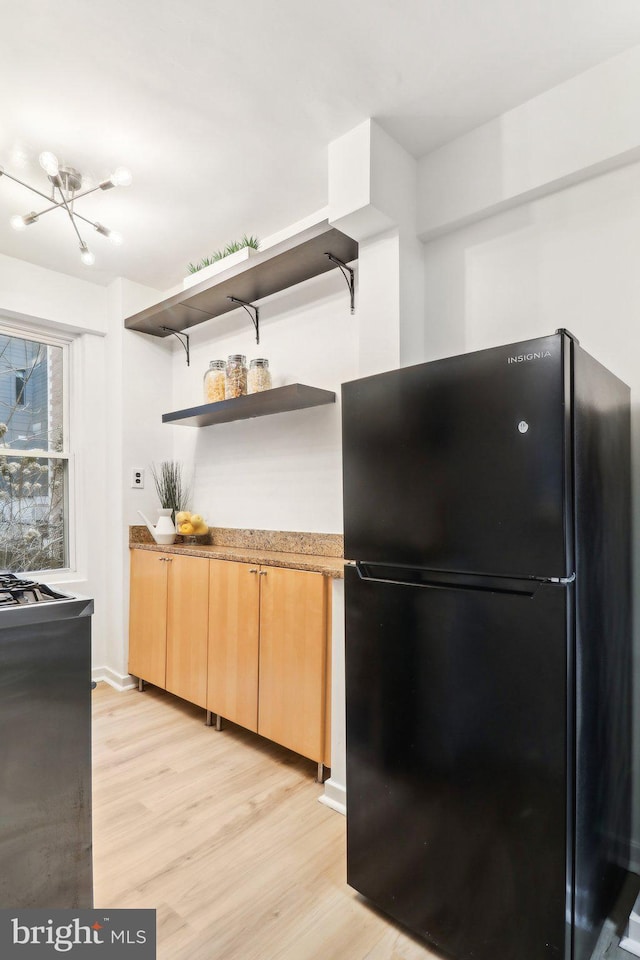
(294, 396)
(295, 259)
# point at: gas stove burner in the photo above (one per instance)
(6, 597)
(9, 581)
(15, 591)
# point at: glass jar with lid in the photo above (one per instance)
(259, 377)
(236, 381)
(214, 381)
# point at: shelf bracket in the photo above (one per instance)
(255, 317)
(348, 274)
(179, 335)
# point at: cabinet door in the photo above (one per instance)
(148, 616)
(293, 659)
(187, 624)
(233, 642)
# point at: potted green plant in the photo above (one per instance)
(220, 260)
(173, 492)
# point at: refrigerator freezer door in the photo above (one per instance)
(456, 759)
(460, 464)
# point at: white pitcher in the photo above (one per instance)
(164, 530)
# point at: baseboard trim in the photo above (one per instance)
(118, 681)
(631, 946)
(334, 796)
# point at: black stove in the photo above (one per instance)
(45, 672)
(15, 591)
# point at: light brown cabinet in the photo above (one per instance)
(148, 617)
(234, 624)
(293, 660)
(268, 653)
(168, 623)
(250, 643)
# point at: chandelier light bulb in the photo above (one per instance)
(112, 235)
(21, 223)
(86, 256)
(121, 177)
(49, 163)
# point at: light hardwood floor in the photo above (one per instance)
(222, 834)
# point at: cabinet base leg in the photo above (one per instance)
(209, 721)
(323, 772)
(140, 684)
(218, 722)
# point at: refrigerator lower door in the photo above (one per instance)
(457, 790)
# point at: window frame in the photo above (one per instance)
(41, 335)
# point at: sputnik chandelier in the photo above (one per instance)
(66, 182)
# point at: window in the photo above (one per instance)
(34, 459)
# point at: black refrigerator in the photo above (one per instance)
(487, 509)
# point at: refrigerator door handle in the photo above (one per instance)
(444, 580)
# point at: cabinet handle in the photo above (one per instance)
(253, 570)
(169, 559)
(263, 573)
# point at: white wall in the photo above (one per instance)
(138, 376)
(373, 198)
(568, 260)
(29, 293)
(280, 472)
(586, 126)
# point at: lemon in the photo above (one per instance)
(186, 527)
(182, 516)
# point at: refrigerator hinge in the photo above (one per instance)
(562, 580)
(567, 333)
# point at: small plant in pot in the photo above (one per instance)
(221, 259)
(173, 492)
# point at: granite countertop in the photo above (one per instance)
(315, 552)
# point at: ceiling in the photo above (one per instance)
(223, 110)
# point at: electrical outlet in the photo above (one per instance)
(137, 478)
